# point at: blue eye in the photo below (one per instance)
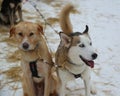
(90, 43)
(81, 45)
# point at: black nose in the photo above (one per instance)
(94, 55)
(25, 45)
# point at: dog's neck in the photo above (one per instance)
(64, 61)
(74, 68)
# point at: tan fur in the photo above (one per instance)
(33, 86)
(62, 54)
(64, 19)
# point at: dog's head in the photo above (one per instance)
(27, 35)
(79, 47)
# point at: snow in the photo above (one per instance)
(103, 19)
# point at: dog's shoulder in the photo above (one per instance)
(61, 55)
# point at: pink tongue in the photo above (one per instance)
(91, 64)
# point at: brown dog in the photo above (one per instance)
(36, 60)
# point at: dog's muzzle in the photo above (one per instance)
(89, 63)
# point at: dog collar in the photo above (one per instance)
(33, 68)
(77, 75)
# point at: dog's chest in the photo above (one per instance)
(30, 56)
(38, 68)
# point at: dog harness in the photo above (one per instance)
(77, 75)
(33, 68)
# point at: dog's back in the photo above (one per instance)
(8, 6)
(5, 6)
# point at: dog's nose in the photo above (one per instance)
(25, 45)
(94, 55)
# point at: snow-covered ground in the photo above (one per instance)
(103, 19)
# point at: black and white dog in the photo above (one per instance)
(8, 12)
(75, 56)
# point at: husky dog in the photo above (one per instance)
(74, 55)
(8, 12)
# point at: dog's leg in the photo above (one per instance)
(39, 88)
(64, 77)
(62, 89)
(87, 87)
(28, 86)
(11, 17)
(20, 13)
(3, 19)
(11, 13)
(27, 89)
(55, 87)
(47, 85)
(93, 88)
(86, 77)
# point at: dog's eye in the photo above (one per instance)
(20, 34)
(90, 43)
(81, 45)
(31, 34)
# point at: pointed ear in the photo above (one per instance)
(12, 31)
(40, 29)
(65, 40)
(86, 30)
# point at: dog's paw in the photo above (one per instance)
(93, 90)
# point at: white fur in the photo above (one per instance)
(85, 52)
(80, 67)
(73, 85)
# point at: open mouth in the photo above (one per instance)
(90, 63)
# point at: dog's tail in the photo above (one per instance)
(65, 22)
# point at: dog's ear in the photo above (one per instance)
(65, 40)
(40, 29)
(86, 30)
(12, 31)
